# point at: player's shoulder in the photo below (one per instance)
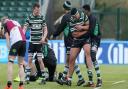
(93, 16)
(41, 17)
(67, 16)
(30, 16)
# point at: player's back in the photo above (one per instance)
(15, 31)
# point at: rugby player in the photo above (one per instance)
(64, 27)
(95, 35)
(38, 33)
(79, 26)
(16, 44)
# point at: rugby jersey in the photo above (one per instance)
(81, 21)
(15, 31)
(35, 23)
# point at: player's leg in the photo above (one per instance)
(28, 68)
(76, 68)
(37, 67)
(10, 72)
(50, 63)
(94, 49)
(21, 54)
(17, 79)
(12, 55)
(51, 71)
(80, 77)
(33, 74)
(21, 71)
(66, 68)
(73, 55)
(87, 48)
(42, 68)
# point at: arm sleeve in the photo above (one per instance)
(61, 26)
(27, 21)
(86, 19)
(92, 24)
(44, 22)
(5, 29)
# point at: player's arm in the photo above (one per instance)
(7, 40)
(93, 24)
(26, 25)
(44, 31)
(44, 34)
(61, 26)
(84, 27)
(7, 36)
(25, 28)
(78, 33)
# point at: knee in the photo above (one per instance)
(39, 61)
(87, 54)
(10, 60)
(20, 65)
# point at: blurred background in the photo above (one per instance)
(113, 19)
(112, 14)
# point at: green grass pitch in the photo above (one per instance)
(114, 77)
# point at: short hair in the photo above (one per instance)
(74, 11)
(4, 18)
(36, 5)
(87, 7)
(67, 5)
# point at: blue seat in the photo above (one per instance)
(21, 4)
(12, 3)
(4, 9)
(12, 9)
(4, 3)
(21, 9)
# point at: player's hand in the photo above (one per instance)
(79, 27)
(42, 41)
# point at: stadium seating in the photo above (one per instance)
(16, 9)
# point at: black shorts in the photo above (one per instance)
(33, 48)
(95, 42)
(19, 48)
(79, 43)
(68, 50)
(68, 43)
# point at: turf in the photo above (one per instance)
(114, 77)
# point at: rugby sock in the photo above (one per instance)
(21, 83)
(28, 71)
(90, 76)
(77, 70)
(43, 74)
(66, 68)
(9, 83)
(96, 66)
(35, 74)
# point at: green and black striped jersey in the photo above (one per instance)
(35, 23)
(81, 21)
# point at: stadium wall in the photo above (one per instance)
(109, 52)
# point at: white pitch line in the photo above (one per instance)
(109, 81)
(97, 88)
(119, 82)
